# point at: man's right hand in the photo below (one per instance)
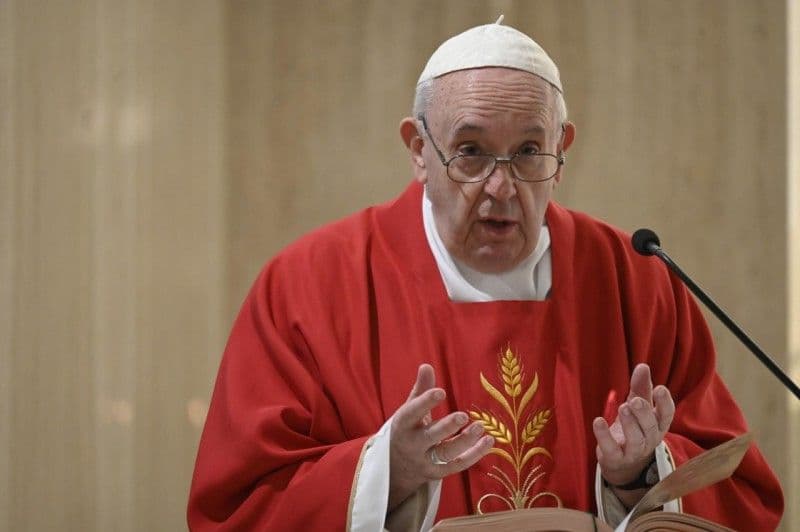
(422, 449)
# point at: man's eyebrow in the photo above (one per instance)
(538, 129)
(468, 127)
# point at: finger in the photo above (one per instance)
(461, 443)
(426, 379)
(468, 458)
(634, 438)
(445, 427)
(646, 419)
(412, 413)
(665, 408)
(641, 383)
(606, 444)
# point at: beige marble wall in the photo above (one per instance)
(793, 228)
(154, 154)
(112, 257)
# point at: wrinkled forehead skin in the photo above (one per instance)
(494, 94)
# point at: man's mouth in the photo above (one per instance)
(499, 224)
(498, 227)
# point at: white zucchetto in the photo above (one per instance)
(491, 45)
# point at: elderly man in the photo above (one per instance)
(528, 328)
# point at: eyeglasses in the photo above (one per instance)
(529, 167)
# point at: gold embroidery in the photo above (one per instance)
(513, 442)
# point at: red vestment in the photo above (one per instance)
(328, 342)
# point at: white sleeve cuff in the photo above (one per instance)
(371, 497)
(611, 510)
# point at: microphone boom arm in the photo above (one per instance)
(729, 323)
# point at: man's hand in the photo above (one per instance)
(422, 449)
(626, 447)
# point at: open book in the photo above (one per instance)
(703, 470)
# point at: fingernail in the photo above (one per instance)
(487, 441)
(625, 410)
(476, 429)
(638, 404)
(438, 395)
(461, 419)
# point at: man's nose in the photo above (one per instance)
(501, 183)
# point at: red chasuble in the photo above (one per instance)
(327, 346)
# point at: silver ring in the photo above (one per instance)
(435, 458)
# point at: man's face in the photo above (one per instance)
(493, 225)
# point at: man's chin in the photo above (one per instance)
(493, 261)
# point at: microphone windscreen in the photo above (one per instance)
(645, 241)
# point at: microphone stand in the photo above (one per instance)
(654, 249)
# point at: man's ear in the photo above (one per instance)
(567, 137)
(414, 143)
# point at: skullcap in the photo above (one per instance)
(491, 45)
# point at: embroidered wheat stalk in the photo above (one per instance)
(535, 426)
(517, 453)
(493, 426)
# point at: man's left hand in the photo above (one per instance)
(626, 447)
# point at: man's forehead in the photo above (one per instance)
(492, 90)
(493, 77)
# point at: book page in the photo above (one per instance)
(703, 470)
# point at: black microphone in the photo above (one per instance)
(647, 243)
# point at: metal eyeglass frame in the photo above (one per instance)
(560, 159)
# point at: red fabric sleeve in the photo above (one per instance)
(665, 329)
(706, 415)
(273, 454)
